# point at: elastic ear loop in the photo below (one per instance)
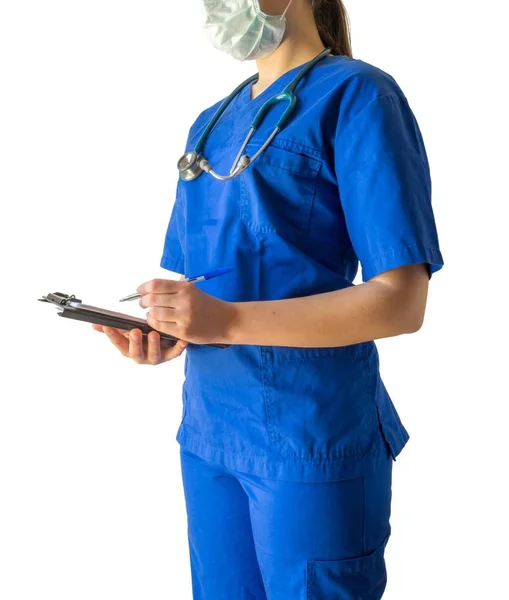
(286, 9)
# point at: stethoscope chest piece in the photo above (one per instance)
(189, 166)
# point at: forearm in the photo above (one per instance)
(369, 311)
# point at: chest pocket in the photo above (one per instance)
(277, 191)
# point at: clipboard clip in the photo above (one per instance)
(60, 299)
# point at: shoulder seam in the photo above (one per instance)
(387, 95)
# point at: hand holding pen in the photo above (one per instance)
(196, 278)
(187, 312)
(179, 302)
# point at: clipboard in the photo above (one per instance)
(70, 307)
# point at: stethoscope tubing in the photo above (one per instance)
(193, 164)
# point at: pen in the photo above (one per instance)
(202, 277)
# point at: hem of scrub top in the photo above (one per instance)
(172, 263)
(400, 257)
(286, 469)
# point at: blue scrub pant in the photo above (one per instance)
(257, 539)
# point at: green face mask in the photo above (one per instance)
(240, 28)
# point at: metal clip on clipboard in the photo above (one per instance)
(73, 308)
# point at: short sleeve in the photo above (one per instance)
(385, 187)
(173, 252)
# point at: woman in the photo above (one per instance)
(288, 435)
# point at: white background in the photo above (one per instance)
(96, 100)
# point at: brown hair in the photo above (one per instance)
(333, 25)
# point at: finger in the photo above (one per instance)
(159, 286)
(163, 326)
(136, 351)
(154, 348)
(152, 299)
(101, 328)
(174, 351)
(117, 339)
(162, 313)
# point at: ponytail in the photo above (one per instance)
(333, 25)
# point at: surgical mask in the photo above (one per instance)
(242, 29)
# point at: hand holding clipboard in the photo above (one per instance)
(71, 307)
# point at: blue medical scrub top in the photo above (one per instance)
(347, 181)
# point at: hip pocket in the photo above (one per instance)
(359, 578)
(277, 191)
(319, 401)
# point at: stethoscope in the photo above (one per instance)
(193, 164)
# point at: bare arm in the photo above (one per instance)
(387, 305)
(390, 304)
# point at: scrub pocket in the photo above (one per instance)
(277, 191)
(320, 402)
(359, 578)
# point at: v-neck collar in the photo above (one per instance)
(244, 98)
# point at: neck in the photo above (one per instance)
(300, 45)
